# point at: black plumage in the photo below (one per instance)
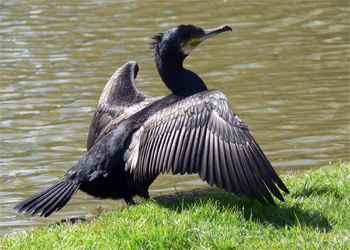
(119, 100)
(133, 137)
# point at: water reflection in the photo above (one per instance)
(284, 68)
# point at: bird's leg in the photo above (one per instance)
(129, 201)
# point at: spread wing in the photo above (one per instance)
(201, 134)
(119, 100)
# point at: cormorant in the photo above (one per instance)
(133, 137)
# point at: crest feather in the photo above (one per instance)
(156, 41)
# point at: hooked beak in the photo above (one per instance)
(192, 43)
(213, 32)
(207, 34)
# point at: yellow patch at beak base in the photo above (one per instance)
(194, 42)
(189, 45)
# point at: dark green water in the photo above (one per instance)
(284, 68)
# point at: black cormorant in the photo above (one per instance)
(133, 137)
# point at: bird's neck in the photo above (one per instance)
(179, 80)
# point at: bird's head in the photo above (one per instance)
(179, 41)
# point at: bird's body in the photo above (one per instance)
(133, 137)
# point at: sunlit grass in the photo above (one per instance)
(316, 215)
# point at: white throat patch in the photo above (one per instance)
(186, 49)
(188, 46)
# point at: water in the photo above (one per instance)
(284, 68)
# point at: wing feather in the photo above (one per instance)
(250, 176)
(119, 100)
(217, 163)
(232, 169)
(204, 156)
(257, 173)
(224, 166)
(210, 166)
(200, 150)
(177, 163)
(165, 152)
(156, 150)
(172, 152)
(189, 148)
(195, 148)
(201, 134)
(240, 173)
(184, 149)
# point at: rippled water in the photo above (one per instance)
(284, 68)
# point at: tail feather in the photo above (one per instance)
(60, 202)
(66, 198)
(41, 198)
(49, 200)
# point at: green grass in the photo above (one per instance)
(316, 215)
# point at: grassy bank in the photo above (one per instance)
(316, 215)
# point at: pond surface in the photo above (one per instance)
(284, 68)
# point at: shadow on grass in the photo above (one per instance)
(281, 216)
(318, 191)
